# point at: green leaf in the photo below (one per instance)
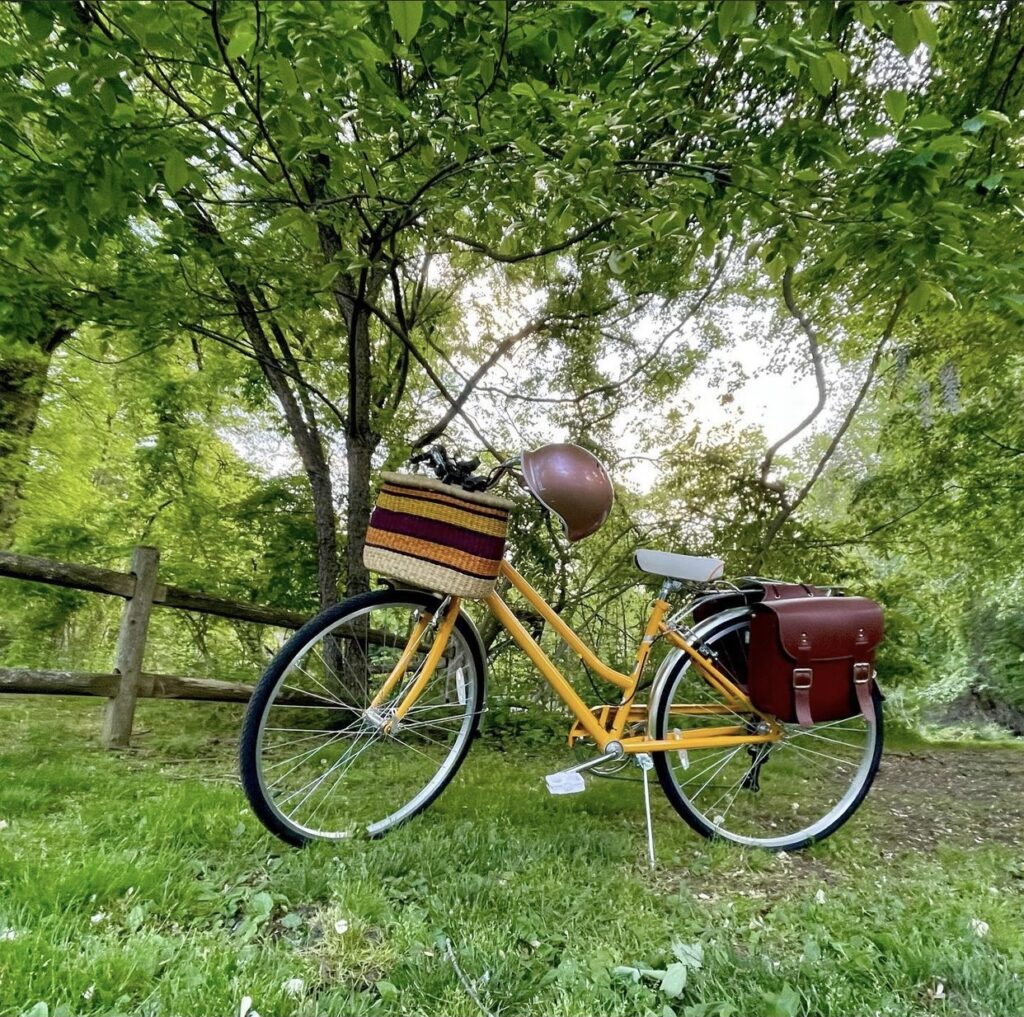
(919, 297)
(733, 14)
(926, 30)
(896, 104)
(932, 122)
(59, 76)
(985, 118)
(387, 990)
(327, 275)
(406, 16)
(290, 217)
(747, 12)
(287, 75)
(624, 971)
(619, 261)
(674, 981)
(821, 75)
(690, 954)
(107, 98)
(241, 42)
(840, 66)
(904, 31)
(785, 1003)
(175, 171)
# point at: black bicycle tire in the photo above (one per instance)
(695, 820)
(268, 682)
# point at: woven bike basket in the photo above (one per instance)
(436, 535)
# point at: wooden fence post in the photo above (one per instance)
(131, 647)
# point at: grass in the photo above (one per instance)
(141, 884)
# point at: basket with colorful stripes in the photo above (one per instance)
(436, 535)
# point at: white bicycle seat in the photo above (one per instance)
(685, 567)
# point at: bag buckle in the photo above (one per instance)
(861, 674)
(800, 673)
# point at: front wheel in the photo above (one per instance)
(781, 795)
(320, 759)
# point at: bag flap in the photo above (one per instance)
(826, 628)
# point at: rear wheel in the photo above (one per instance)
(319, 760)
(780, 795)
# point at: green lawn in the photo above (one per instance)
(141, 884)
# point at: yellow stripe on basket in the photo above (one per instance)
(448, 499)
(425, 574)
(442, 514)
(438, 553)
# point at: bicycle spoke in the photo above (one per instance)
(326, 780)
(814, 752)
(308, 755)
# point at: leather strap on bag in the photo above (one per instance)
(803, 679)
(863, 680)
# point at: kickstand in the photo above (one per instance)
(646, 763)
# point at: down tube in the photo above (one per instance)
(551, 673)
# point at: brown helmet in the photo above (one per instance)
(573, 484)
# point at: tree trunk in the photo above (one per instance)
(286, 384)
(326, 522)
(357, 513)
(24, 367)
(360, 442)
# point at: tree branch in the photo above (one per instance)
(819, 378)
(435, 432)
(512, 259)
(789, 508)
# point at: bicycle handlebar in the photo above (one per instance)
(460, 472)
(452, 471)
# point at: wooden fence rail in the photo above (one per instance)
(141, 590)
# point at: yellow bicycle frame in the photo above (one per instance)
(605, 724)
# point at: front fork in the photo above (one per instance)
(443, 618)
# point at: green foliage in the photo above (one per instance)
(543, 899)
(308, 219)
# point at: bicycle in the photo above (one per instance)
(381, 696)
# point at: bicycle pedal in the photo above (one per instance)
(565, 782)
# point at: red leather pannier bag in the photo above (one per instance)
(812, 659)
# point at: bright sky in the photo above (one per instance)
(773, 400)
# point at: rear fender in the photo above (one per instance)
(701, 631)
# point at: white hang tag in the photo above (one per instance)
(565, 782)
(460, 686)
(684, 758)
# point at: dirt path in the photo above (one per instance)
(930, 797)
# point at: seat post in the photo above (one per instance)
(667, 587)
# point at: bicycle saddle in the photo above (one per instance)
(685, 567)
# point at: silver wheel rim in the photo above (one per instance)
(806, 743)
(456, 726)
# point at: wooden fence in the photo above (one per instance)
(141, 591)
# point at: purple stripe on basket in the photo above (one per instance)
(480, 544)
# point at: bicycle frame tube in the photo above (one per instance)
(735, 699)
(403, 662)
(627, 683)
(444, 633)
